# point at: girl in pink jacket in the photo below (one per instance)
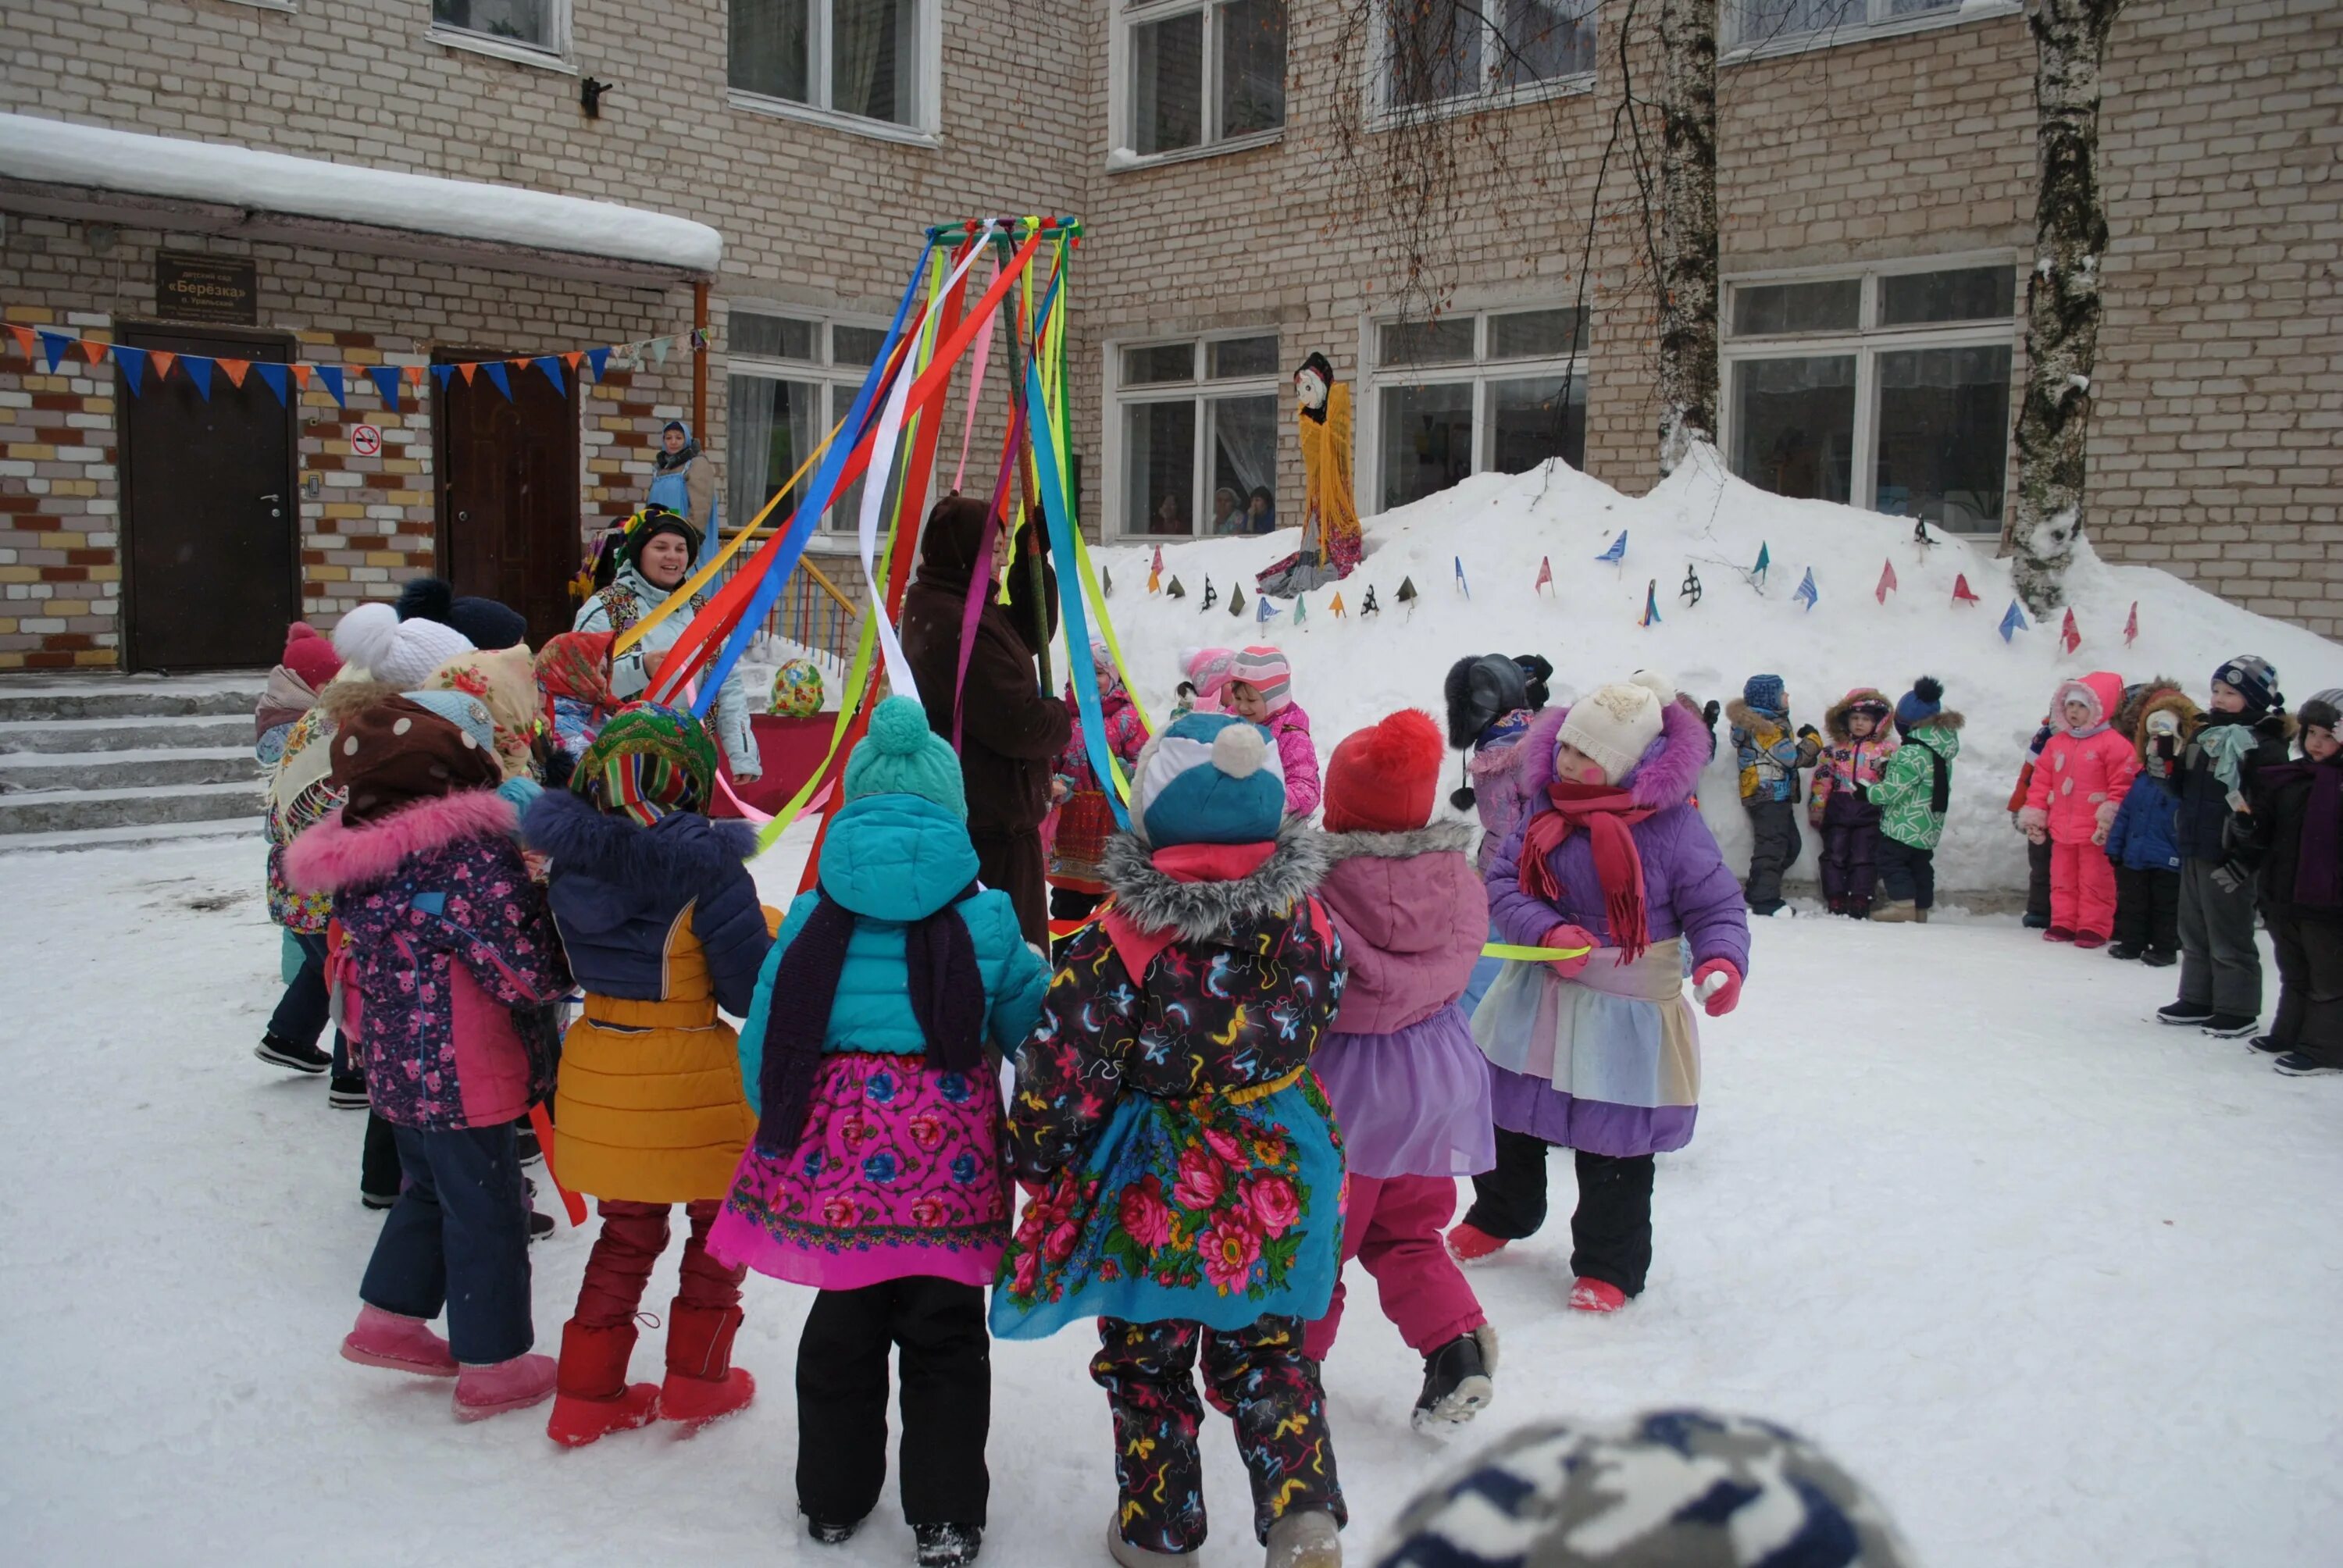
(1410, 1089)
(2079, 783)
(1261, 688)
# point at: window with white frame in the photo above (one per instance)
(1189, 74)
(1195, 428)
(866, 59)
(1494, 391)
(790, 378)
(1883, 389)
(1753, 23)
(1460, 54)
(540, 24)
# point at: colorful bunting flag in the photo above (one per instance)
(552, 368)
(24, 337)
(199, 371)
(92, 350)
(2131, 625)
(572, 358)
(443, 374)
(386, 380)
(301, 370)
(1618, 550)
(1545, 574)
(659, 346)
(1962, 592)
(597, 358)
(1886, 581)
(234, 369)
(2013, 622)
(1807, 592)
(2069, 634)
(274, 375)
(415, 377)
(500, 375)
(134, 365)
(54, 343)
(468, 370)
(331, 374)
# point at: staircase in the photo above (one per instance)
(106, 760)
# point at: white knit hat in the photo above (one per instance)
(1615, 725)
(401, 653)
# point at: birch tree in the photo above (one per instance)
(1687, 263)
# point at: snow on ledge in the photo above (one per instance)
(53, 151)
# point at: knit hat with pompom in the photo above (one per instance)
(1380, 780)
(1919, 704)
(901, 756)
(1210, 778)
(309, 655)
(1614, 725)
(401, 653)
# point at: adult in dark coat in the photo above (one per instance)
(1010, 731)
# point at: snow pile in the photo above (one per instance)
(1349, 672)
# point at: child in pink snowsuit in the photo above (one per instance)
(2079, 783)
(1410, 1089)
(1261, 688)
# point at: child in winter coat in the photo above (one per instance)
(1410, 1089)
(2038, 851)
(1771, 756)
(1204, 674)
(2141, 845)
(2209, 772)
(875, 1174)
(573, 671)
(1600, 1053)
(1841, 804)
(1190, 1170)
(1914, 793)
(2293, 841)
(2078, 787)
(291, 1039)
(1260, 689)
(1085, 817)
(662, 927)
(1490, 700)
(456, 966)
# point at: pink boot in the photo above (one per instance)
(482, 1392)
(395, 1343)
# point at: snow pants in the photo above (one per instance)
(2220, 968)
(937, 1328)
(303, 1010)
(1850, 853)
(2083, 890)
(1393, 1225)
(633, 1236)
(2310, 954)
(1258, 1377)
(457, 1238)
(1611, 1229)
(1773, 849)
(2147, 909)
(1908, 875)
(2038, 882)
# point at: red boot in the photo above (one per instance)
(702, 1385)
(593, 1397)
(1468, 1243)
(1596, 1296)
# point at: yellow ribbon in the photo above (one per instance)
(1532, 955)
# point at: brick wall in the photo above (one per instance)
(60, 574)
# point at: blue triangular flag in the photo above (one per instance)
(2013, 622)
(1806, 589)
(331, 374)
(55, 343)
(552, 368)
(1460, 577)
(277, 376)
(134, 365)
(498, 374)
(1263, 609)
(1618, 550)
(597, 357)
(440, 373)
(199, 371)
(386, 380)
(1764, 559)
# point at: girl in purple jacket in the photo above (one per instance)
(1410, 1089)
(1600, 1053)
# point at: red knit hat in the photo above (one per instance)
(309, 655)
(1382, 778)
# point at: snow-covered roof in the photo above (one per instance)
(275, 194)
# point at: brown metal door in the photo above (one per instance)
(507, 469)
(211, 527)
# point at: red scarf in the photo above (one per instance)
(1606, 813)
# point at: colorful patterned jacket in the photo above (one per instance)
(1849, 767)
(1770, 755)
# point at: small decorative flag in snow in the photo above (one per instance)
(1155, 572)
(1691, 589)
(1106, 582)
(1962, 593)
(1651, 603)
(1807, 592)
(1371, 606)
(2069, 635)
(2131, 625)
(1764, 563)
(1462, 587)
(1176, 590)
(1339, 611)
(1886, 581)
(1407, 590)
(1618, 550)
(1545, 574)
(2013, 622)
(1211, 595)
(1265, 609)
(1236, 599)
(1300, 610)
(1920, 534)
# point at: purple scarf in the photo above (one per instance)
(2318, 858)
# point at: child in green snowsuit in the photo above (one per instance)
(1915, 789)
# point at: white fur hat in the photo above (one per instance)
(1615, 725)
(401, 653)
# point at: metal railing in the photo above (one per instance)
(813, 610)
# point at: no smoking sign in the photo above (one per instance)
(365, 440)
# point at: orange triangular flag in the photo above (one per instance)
(162, 360)
(1337, 605)
(23, 338)
(415, 376)
(573, 357)
(94, 351)
(234, 369)
(300, 368)
(467, 367)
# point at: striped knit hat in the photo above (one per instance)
(1210, 778)
(1266, 671)
(648, 760)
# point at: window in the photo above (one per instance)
(1195, 428)
(533, 25)
(1889, 391)
(1498, 391)
(1755, 23)
(1194, 75)
(792, 377)
(863, 58)
(1457, 54)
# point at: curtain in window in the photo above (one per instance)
(864, 64)
(770, 433)
(1244, 443)
(770, 47)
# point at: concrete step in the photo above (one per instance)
(129, 696)
(135, 733)
(147, 767)
(64, 810)
(134, 837)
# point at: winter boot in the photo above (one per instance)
(593, 1397)
(482, 1392)
(1457, 1381)
(1468, 1243)
(2159, 958)
(1132, 1556)
(1596, 1296)
(703, 1384)
(1898, 912)
(825, 1534)
(1836, 904)
(1305, 1538)
(2271, 1044)
(2295, 1064)
(1858, 908)
(2126, 951)
(526, 1144)
(2086, 941)
(2033, 922)
(396, 1343)
(2058, 934)
(947, 1546)
(2231, 1025)
(278, 1051)
(347, 1092)
(1767, 907)
(2184, 1015)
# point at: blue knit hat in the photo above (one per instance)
(1210, 778)
(1919, 704)
(901, 756)
(464, 711)
(1767, 694)
(2254, 678)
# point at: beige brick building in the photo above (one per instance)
(1876, 189)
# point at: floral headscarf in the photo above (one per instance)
(577, 664)
(505, 681)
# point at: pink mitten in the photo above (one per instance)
(1723, 997)
(1569, 936)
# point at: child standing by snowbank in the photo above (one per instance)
(874, 1175)
(1190, 1172)
(2141, 843)
(1841, 805)
(1410, 1089)
(1260, 689)
(2295, 844)
(1600, 1053)
(448, 939)
(1914, 793)
(2078, 787)
(1771, 757)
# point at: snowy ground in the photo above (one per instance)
(2059, 1283)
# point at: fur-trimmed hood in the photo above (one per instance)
(345, 697)
(332, 855)
(2175, 702)
(1835, 717)
(2136, 700)
(1665, 777)
(1413, 913)
(1153, 899)
(1944, 719)
(1425, 840)
(681, 848)
(1740, 716)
